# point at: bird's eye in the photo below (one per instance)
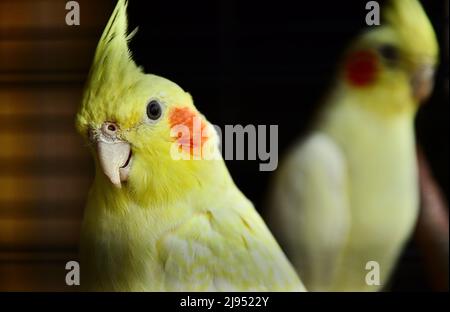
(154, 110)
(389, 53)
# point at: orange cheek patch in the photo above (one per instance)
(361, 68)
(190, 128)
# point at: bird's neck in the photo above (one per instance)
(162, 188)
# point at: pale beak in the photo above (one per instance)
(115, 161)
(422, 82)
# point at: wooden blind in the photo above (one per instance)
(45, 170)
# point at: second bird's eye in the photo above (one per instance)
(389, 52)
(154, 110)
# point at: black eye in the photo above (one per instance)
(154, 110)
(389, 53)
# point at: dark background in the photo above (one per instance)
(244, 62)
(269, 62)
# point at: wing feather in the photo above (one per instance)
(310, 209)
(226, 249)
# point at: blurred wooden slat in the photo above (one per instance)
(37, 256)
(41, 276)
(46, 55)
(40, 145)
(10, 79)
(29, 234)
(31, 14)
(30, 271)
(62, 101)
(28, 17)
(18, 188)
(47, 166)
(38, 123)
(33, 209)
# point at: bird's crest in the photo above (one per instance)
(409, 19)
(112, 57)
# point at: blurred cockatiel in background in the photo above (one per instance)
(347, 194)
(152, 222)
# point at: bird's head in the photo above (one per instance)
(135, 121)
(393, 64)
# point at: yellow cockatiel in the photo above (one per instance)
(154, 222)
(345, 199)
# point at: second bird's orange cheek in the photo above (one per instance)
(361, 68)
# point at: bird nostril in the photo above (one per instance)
(109, 129)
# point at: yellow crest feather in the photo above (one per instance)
(112, 57)
(411, 22)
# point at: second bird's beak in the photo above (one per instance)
(114, 156)
(422, 82)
